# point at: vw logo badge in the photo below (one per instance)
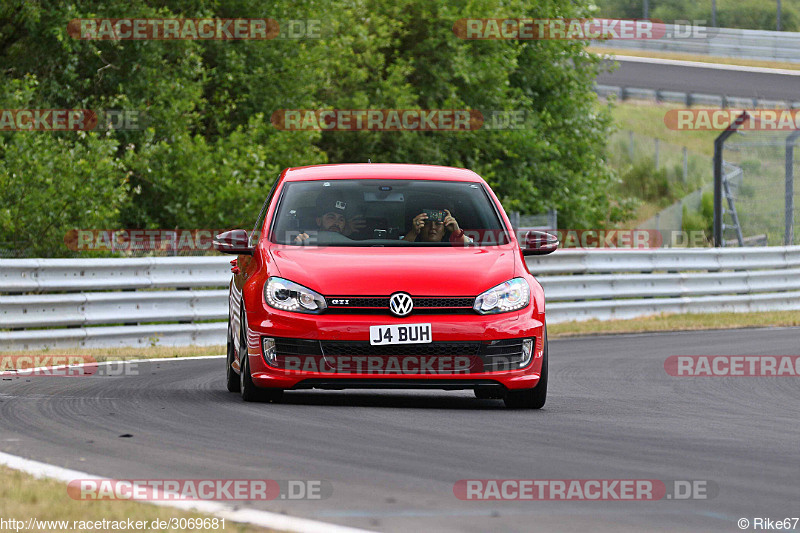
(400, 304)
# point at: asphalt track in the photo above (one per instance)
(392, 457)
(765, 84)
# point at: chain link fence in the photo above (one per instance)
(760, 204)
(672, 178)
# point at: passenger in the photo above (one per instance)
(425, 230)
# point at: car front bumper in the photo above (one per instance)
(306, 340)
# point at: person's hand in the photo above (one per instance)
(416, 226)
(450, 222)
(355, 224)
(301, 238)
(418, 223)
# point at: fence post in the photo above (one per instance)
(788, 236)
(552, 218)
(719, 145)
(685, 165)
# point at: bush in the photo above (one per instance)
(643, 181)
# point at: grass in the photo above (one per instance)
(23, 496)
(122, 354)
(646, 119)
(642, 122)
(688, 322)
(644, 211)
(605, 50)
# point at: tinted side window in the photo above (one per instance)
(256, 233)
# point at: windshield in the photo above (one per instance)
(387, 213)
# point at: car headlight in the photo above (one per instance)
(289, 296)
(508, 296)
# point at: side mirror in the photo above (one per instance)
(233, 242)
(539, 243)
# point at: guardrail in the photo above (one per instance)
(59, 303)
(113, 302)
(608, 284)
(690, 99)
(723, 42)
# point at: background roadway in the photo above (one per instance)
(705, 80)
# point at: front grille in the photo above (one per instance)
(432, 349)
(484, 356)
(443, 302)
(380, 304)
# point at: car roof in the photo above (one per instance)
(380, 171)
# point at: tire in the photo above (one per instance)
(250, 392)
(231, 377)
(536, 397)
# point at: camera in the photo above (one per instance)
(435, 215)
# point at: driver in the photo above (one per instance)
(330, 217)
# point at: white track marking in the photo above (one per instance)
(266, 519)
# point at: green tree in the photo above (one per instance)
(208, 153)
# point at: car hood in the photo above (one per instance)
(383, 271)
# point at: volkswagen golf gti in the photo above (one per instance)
(385, 276)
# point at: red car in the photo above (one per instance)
(385, 276)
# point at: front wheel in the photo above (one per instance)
(534, 398)
(232, 379)
(250, 392)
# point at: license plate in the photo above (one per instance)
(400, 334)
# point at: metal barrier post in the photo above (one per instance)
(788, 236)
(719, 145)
